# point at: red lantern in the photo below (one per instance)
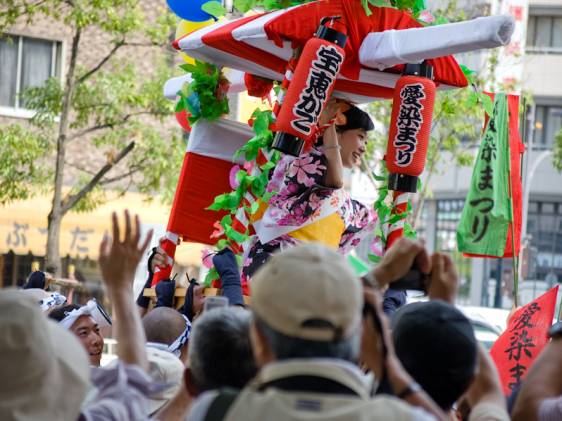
(410, 127)
(181, 117)
(168, 244)
(311, 86)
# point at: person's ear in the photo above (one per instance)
(184, 352)
(260, 347)
(190, 383)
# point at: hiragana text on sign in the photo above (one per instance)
(408, 123)
(321, 76)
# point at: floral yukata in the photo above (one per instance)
(305, 210)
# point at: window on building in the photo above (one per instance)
(544, 32)
(544, 227)
(25, 62)
(448, 217)
(548, 122)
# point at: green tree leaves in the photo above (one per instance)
(20, 163)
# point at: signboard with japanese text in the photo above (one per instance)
(23, 227)
(486, 214)
(523, 340)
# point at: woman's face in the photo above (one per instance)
(352, 144)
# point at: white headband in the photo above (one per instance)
(175, 347)
(182, 339)
(92, 309)
(55, 299)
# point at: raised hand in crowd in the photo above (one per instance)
(444, 279)
(158, 257)
(377, 353)
(398, 260)
(118, 260)
(485, 396)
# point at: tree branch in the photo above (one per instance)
(119, 177)
(125, 118)
(98, 66)
(145, 44)
(93, 129)
(71, 200)
(8, 17)
(79, 168)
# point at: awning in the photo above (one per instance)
(23, 227)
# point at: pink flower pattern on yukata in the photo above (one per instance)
(304, 169)
(301, 194)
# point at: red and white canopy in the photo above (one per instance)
(205, 174)
(262, 44)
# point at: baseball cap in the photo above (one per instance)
(308, 292)
(44, 369)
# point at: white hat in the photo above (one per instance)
(308, 292)
(44, 369)
(165, 368)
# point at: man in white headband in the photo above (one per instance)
(85, 323)
(167, 329)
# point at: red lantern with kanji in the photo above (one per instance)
(311, 86)
(410, 127)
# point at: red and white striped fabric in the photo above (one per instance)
(205, 175)
(262, 44)
(399, 207)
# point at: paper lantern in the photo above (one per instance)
(311, 86)
(410, 127)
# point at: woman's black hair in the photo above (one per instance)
(356, 118)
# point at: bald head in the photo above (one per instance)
(163, 325)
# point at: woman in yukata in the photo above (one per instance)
(310, 203)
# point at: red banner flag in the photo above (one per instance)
(523, 340)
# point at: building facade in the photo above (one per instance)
(29, 54)
(538, 60)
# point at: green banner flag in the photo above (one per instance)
(486, 215)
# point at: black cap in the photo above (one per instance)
(403, 182)
(288, 143)
(423, 69)
(436, 344)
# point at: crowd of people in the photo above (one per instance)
(314, 344)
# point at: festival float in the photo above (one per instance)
(301, 56)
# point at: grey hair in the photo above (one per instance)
(286, 347)
(220, 352)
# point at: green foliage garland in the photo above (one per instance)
(205, 96)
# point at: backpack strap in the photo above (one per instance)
(221, 404)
